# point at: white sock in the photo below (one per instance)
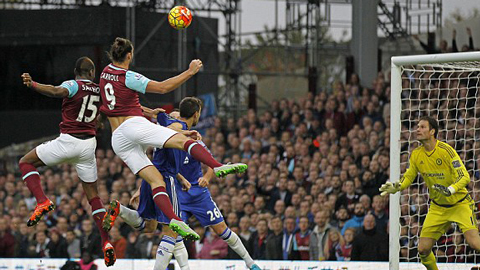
(181, 254)
(164, 253)
(132, 218)
(236, 244)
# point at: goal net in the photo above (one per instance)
(443, 86)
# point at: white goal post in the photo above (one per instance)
(422, 85)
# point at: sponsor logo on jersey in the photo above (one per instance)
(438, 175)
(456, 164)
(438, 161)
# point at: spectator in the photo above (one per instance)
(319, 236)
(288, 239)
(7, 241)
(21, 241)
(73, 245)
(341, 217)
(40, 245)
(213, 247)
(245, 232)
(344, 251)
(119, 242)
(274, 240)
(357, 220)
(257, 242)
(334, 241)
(57, 247)
(378, 211)
(363, 249)
(302, 239)
(90, 240)
(348, 198)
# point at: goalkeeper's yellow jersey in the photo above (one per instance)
(441, 166)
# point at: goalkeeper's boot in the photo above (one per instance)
(109, 254)
(40, 210)
(111, 215)
(229, 168)
(183, 230)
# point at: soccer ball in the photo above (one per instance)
(179, 17)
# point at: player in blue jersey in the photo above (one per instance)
(195, 201)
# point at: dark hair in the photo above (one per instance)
(189, 106)
(432, 124)
(119, 49)
(83, 66)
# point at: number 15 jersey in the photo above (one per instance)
(119, 91)
(80, 107)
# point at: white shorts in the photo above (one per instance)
(132, 138)
(68, 149)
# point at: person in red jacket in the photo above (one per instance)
(213, 248)
(7, 241)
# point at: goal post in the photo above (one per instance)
(428, 85)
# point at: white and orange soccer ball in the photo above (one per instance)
(180, 17)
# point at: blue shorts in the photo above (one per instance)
(204, 209)
(147, 208)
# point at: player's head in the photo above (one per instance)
(191, 107)
(121, 51)
(427, 128)
(84, 67)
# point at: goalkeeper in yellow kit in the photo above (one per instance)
(446, 178)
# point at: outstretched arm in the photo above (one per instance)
(173, 83)
(44, 89)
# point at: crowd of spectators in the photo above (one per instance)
(310, 192)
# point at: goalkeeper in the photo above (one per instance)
(446, 178)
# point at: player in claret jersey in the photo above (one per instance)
(133, 133)
(75, 145)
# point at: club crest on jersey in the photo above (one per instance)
(438, 161)
(186, 160)
(456, 164)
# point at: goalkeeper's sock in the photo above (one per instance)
(429, 261)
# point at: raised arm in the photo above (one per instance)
(44, 89)
(173, 83)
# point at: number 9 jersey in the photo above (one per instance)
(119, 91)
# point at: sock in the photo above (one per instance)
(201, 154)
(31, 177)
(164, 252)
(162, 201)
(132, 218)
(429, 261)
(181, 254)
(236, 244)
(98, 211)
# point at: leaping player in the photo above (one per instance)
(132, 134)
(75, 145)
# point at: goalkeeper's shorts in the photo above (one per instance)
(440, 218)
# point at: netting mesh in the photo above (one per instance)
(448, 92)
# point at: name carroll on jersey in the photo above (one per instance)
(109, 77)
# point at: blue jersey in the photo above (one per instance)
(168, 160)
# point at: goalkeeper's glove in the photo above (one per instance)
(446, 191)
(389, 187)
